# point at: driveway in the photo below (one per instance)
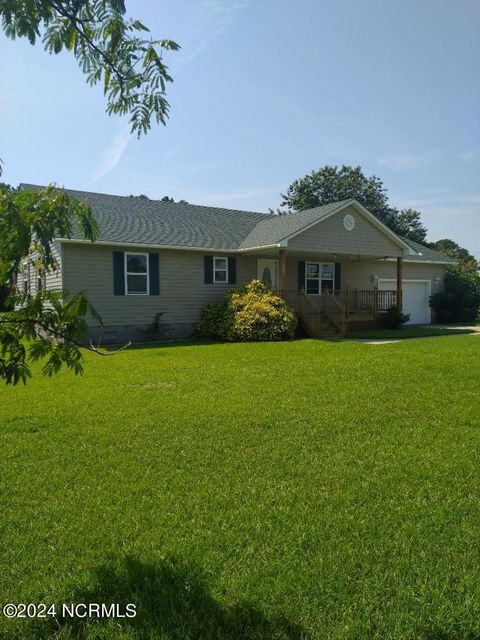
(475, 329)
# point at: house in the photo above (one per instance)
(337, 265)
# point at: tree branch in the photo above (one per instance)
(76, 21)
(58, 334)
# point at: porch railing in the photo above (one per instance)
(334, 310)
(365, 300)
(339, 306)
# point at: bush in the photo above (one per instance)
(251, 313)
(393, 318)
(460, 300)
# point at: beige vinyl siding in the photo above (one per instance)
(358, 273)
(53, 279)
(183, 292)
(330, 236)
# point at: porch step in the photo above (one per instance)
(318, 326)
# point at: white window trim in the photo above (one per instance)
(215, 258)
(39, 280)
(320, 278)
(26, 277)
(130, 273)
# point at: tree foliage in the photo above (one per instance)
(450, 248)
(48, 324)
(460, 299)
(333, 184)
(109, 47)
(112, 49)
(170, 199)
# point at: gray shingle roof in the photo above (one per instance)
(152, 222)
(425, 253)
(123, 219)
(275, 228)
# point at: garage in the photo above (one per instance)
(416, 294)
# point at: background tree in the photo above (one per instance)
(107, 46)
(170, 199)
(331, 183)
(460, 299)
(448, 247)
(408, 223)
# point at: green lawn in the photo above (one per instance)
(408, 332)
(308, 489)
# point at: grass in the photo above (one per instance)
(238, 491)
(408, 332)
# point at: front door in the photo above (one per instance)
(268, 272)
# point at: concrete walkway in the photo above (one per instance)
(475, 329)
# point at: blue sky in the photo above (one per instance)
(266, 91)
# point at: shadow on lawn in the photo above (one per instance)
(166, 344)
(440, 634)
(172, 601)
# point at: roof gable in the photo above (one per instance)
(330, 236)
(281, 229)
(274, 229)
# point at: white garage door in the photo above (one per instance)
(415, 299)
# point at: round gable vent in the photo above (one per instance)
(349, 222)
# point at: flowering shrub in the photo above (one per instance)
(251, 313)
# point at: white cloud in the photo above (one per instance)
(447, 215)
(211, 19)
(112, 156)
(410, 160)
(470, 156)
(254, 199)
(475, 199)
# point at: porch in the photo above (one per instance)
(341, 311)
(334, 309)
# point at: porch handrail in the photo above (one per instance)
(365, 300)
(338, 306)
(333, 309)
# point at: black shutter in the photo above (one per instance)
(118, 273)
(338, 270)
(232, 271)
(208, 269)
(301, 274)
(153, 274)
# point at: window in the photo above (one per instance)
(312, 277)
(327, 277)
(26, 277)
(136, 274)
(220, 270)
(319, 277)
(40, 280)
